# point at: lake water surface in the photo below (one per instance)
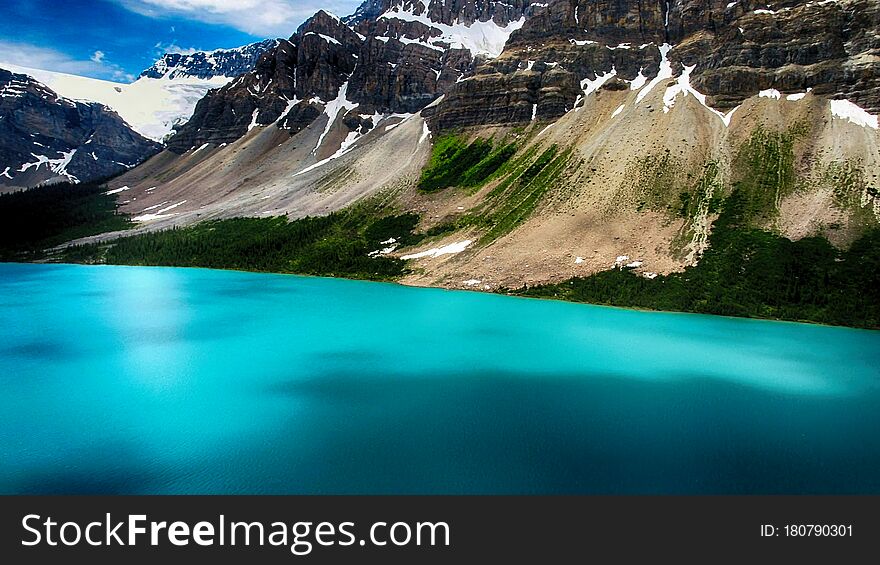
(163, 380)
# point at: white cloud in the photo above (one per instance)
(162, 48)
(121, 76)
(265, 18)
(37, 57)
(28, 55)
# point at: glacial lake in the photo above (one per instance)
(161, 380)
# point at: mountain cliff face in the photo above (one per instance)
(736, 49)
(45, 137)
(391, 57)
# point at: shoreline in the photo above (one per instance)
(441, 288)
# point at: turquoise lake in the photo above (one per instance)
(161, 380)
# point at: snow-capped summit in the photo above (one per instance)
(206, 65)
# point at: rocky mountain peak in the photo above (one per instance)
(393, 56)
(209, 64)
(369, 10)
(520, 60)
(329, 28)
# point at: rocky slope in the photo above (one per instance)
(45, 137)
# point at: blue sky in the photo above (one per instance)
(117, 39)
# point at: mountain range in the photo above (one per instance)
(536, 141)
(160, 100)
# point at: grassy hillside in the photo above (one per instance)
(454, 162)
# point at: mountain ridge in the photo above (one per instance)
(228, 63)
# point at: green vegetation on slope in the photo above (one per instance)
(334, 245)
(454, 162)
(752, 273)
(655, 181)
(765, 172)
(524, 181)
(851, 191)
(516, 197)
(45, 216)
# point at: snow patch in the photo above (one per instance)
(846, 110)
(481, 38)
(407, 41)
(160, 214)
(438, 251)
(333, 109)
(254, 122)
(798, 96)
(639, 81)
(391, 246)
(290, 106)
(426, 132)
(57, 165)
(590, 86)
(154, 206)
(664, 73)
(618, 110)
(770, 93)
(683, 86)
(347, 146)
(326, 38)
